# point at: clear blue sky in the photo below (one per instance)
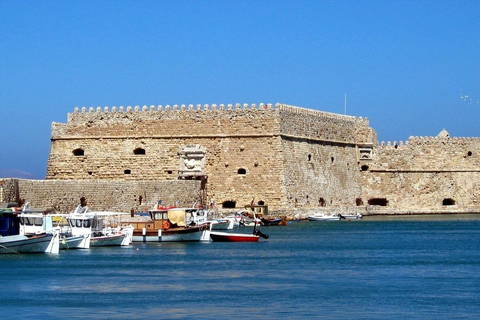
(411, 67)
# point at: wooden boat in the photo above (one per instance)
(171, 225)
(272, 222)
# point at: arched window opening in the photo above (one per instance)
(242, 171)
(127, 171)
(378, 202)
(261, 203)
(321, 202)
(229, 204)
(309, 157)
(469, 153)
(78, 152)
(359, 202)
(448, 202)
(332, 159)
(364, 168)
(139, 151)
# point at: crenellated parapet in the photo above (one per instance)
(438, 153)
(148, 110)
(329, 127)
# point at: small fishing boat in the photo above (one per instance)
(171, 224)
(233, 237)
(100, 229)
(16, 235)
(38, 243)
(71, 242)
(325, 217)
(221, 224)
(272, 222)
(238, 237)
(353, 216)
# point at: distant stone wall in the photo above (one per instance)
(441, 174)
(63, 196)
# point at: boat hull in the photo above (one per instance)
(170, 235)
(103, 241)
(233, 237)
(222, 225)
(25, 244)
(72, 242)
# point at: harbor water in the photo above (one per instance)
(417, 267)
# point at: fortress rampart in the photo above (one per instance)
(294, 159)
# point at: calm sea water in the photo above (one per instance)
(376, 268)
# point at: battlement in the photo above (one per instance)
(176, 107)
(426, 140)
(318, 114)
(83, 112)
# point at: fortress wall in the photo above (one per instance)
(423, 172)
(320, 157)
(259, 156)
(235, 138)
(300, 122)
(319, 174)
(109, 139)
(417, 191)
(169, 121)
(429, 153)
(289, 157)
(64, 195)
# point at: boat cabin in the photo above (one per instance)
(257, 209)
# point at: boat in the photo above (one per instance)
(107, 229)
(171, 224)
(233, 237)
(79, 226)
(222, 224)
(72, 242)
(14, 239)
(272, 222)
(351, 216)
(37, 243)
(100, 228)
(238, 237)
(325, 217)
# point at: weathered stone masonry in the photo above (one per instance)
(295, 160)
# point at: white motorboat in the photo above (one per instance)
(16, 235)
(222, 224)
(350, 216)
(324, 217)
(100, 228)
(37, 243)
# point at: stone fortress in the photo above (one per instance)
(295, 160)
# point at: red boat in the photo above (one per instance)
(237, 237)
(233, 237)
